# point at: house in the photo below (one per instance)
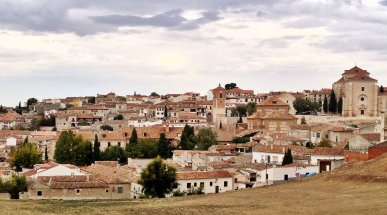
(272, 115)
(78, 187)
(362, 142)
(111, 171)
(52, 169)
(211, 181)
(274, 154)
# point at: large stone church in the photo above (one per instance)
(360, 93)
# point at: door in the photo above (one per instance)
(216, 189)
(325, 166)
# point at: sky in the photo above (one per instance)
(55, 49)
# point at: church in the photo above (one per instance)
(360, 93)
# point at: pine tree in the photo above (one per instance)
(164, 147)
(96, 150)
(134, 138)
(340, 106)
(333, 103)
(325, 105)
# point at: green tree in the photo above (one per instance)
(325, 105)
(96, 149)
(114, 153)
(165, 112)
(333, 103)
(31, 101)
(240, 139)
(131, 148)
(220, 125)
(381, 89)
(13, 185)
(2, 109)
(26, 155)
(340, 106)
(205, 138)
(154, 94)
(241, 109)
(146, 148)
(303, 105)
(164, 147)
(324, 143)
(187, 140)
(251, 108)
(106, 128)
(119, 117)
(45, 154)
(230, 86)
(73, 149)
(91, 100)
(288, 158)
(158, 179)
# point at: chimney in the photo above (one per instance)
(87, 178)
(271, 146)
(283, 149)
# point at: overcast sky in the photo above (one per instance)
(83, 47)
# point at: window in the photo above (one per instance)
(202, 184)
(119, 144)
(195, 184)
(267, 176)
(211, 184)
(362, 99)
(109, 144)
(286, 177)
(145, 134)
(120, 189)
(225, 184)
(39, 193)
(362, 88)
(362, 112)
(318, 135)
(235, 180)
(107, 190)
(78, 191)
(188, 185)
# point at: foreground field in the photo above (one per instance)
(359, 188)
(307, 197)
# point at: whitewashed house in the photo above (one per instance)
(211, 181)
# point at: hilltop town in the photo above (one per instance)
(97, 147)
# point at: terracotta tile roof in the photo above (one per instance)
(107, 163)
(279, 115)
(280, 149)
(327, 151)
(355, 70)
(272, 101)
(238, 90)
(110, 174)
(305, 127)
(203, 175)
(371, 136)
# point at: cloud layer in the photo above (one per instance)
(84, 47)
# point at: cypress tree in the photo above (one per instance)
(187, 140)
(288, 158)
(97, 150)
(46, 154)
(131, 147)
(340, 106)
(333, 103)
(381, 89)
(220, 125)
(163, 147)
(165, 112)
(325, 106)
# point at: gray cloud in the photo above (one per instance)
(169, 19)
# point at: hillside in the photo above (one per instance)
(355, 188)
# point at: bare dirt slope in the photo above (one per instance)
(356, 188)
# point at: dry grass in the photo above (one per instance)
(339, 192)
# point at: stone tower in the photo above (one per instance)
(219, 104)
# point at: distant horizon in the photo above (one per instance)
(77, 48)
